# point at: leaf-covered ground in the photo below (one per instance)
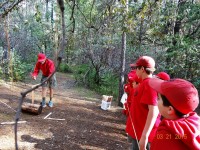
(86, 126)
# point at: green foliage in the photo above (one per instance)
(20, 69)
(38, 15)
(108, 82)
(1, 71)
(96, 38)
(183, 60)
(80, 72)
(65, 68)
(17, 70)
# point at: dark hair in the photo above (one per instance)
(167, 103)
(145, 68)
(125, 78)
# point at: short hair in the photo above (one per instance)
(167, 103)
(146, 69)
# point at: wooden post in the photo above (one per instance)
(32, 95)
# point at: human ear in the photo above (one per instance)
(142, 68)
(170, 110)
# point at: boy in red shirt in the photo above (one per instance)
(47, 67)
(129, 90)
(180, 129)
(163, 76)
(145, 115)
(135, 83)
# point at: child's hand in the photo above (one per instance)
(143, 143)
(125, 112)
(34, 77)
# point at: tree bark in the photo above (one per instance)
(63, 41)
(123, 62)
(122, 67)
(9, 56)
(6, 30)
(47, 10)
(52, 20)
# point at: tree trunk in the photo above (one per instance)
(47, 11)
(9, 56)
(122, 67)
(123, 62)
(140, 35)
(52, 20)
(63, 41)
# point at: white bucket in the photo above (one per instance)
(105, 105)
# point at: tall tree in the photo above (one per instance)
(9, 55)
(63, 40)
(123, 58)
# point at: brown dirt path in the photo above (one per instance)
(86, 126)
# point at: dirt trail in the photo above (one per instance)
(86, 126)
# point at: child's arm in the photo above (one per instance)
(151, 119)
(36, 71)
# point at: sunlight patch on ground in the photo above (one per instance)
(90, 147)
(9, 85)
(8, 140)
(4, 100)
(8, 143)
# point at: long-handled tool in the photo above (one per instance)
(31, 107)
(133, 128)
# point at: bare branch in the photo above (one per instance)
(9, 9)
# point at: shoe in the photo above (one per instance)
(50, 104)
(43, 103)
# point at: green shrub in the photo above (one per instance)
(20, 69)
(108, 82)
(65, 68)
(15, 71)
(80, 72)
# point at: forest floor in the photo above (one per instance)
(86, 125)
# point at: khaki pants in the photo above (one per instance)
(51, 83)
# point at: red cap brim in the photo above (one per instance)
(41, 60)
(156, 83)
(133, 65)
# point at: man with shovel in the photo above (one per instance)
(47, 67)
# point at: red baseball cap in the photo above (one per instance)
(163, 76)
(145, 61)
(41, 57)
(132, 76)
(180, 93)
(132, 65)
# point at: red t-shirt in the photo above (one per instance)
(179, 134)
(47, 68)
(129, 118)
(143, 97)
(128, 88)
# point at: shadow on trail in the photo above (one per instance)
(86, 126)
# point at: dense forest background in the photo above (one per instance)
(99, 39)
